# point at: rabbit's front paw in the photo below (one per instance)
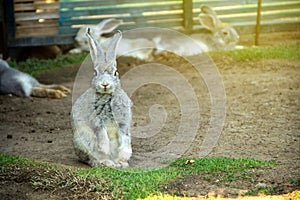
(123, 164)
(107, 163)
(105, 148)
(125, 154)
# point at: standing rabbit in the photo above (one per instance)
(101, 116)
(21, 84)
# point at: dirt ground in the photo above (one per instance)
(262, 116)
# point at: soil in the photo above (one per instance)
(262, 120)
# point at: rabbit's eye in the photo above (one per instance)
(225, 33)
(95, 72)
(116, 73)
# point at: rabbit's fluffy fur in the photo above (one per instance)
(101, 116)
(21, 84)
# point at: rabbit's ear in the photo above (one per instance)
(97, 53)
(207, 10)
(209, 22)
(108, 25)
(112, 47)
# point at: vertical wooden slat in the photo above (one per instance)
(188, 15)
(9, 17)
(3, 43)
(257, 29)
(9, 26)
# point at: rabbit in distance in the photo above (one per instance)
(125, 47)
(220, 36)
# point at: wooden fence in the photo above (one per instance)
(48, 22)
(36, 17)
(277, 15)
(134, 13)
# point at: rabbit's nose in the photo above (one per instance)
(104, 85)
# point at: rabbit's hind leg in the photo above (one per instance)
(124, 156)
(87, 148)
(85, 143)
(59, 88)
(125, 150)
(114, 151)
(47, 93)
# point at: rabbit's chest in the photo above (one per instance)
(111, 128)
(106, 120)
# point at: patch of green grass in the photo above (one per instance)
(209, 165)
(294, 181)
(221, 164)
(227, 170)
(6, 159)
(266, 191)
(36, 67)
(285, 52)
(130, 183)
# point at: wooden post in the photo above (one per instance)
(2, 30)
(8, 26)
(258, 17)
(188, 15)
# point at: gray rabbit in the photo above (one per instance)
(13, 81)
(101, 116)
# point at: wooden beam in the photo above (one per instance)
(257, 29)
(41, 41)
(188, 22)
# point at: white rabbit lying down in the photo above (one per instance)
(126, 45)
(101, 116)
(221, 36)
(21, 84)
(105, 26)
